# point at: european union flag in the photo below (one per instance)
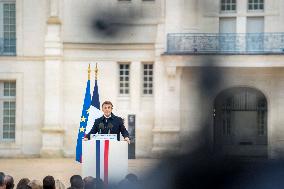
(84, 120)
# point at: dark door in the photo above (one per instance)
(240, 123)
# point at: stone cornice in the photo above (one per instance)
(105, 46)
(224, 60)
(165, 130)
(52, 130)
(22, 58)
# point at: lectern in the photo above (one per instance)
(105, 159)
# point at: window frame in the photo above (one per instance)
(253, 4)
(148, 82)
(123, 82)
(230, 4)
(10, 99)
(8, 27)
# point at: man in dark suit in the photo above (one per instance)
(109, 124)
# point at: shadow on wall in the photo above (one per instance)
(109, 23)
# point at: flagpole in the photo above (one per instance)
(89, 72)
(96, 71)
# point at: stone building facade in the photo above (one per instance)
(150, 55)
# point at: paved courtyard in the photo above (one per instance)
(62, 169)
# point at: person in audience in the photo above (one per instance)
(59, 184)
(89, 182)
(48, 182)
(76, 181)
(71, 187)
(2, 183)
(131, 177)
(9, 182)
(35, 184)
(130, 181)
(93, 183)
(23, 183)
(99, 183)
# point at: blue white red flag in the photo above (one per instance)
(94, 111)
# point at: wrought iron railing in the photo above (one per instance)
(228, 43)
(7, 47)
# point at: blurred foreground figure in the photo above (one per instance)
(203, 170)
(9, 182)
(2, 183)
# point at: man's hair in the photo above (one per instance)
(35, 184)
(71, 187)
(23, 183)
(24, 186)
(131, 177)
(48, 182)
(99, 183)
(59, 184)
(89, 182)
(76, 181)
(107, 102)
(9, 181)
(2, 176)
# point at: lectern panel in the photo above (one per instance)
(105, 159)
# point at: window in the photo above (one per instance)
(7, 28)
(228, 6)
(255, 5)
(147, 79)
(7, 110)
(124, 78)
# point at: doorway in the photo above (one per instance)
(240, 122)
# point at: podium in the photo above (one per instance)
(105, 159)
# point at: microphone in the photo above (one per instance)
(110, 126)
(101, 126)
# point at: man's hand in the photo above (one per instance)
(85, 139)
(127, 139)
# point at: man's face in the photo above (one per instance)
(107, 108)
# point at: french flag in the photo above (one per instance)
(102, 157)
(94, 110)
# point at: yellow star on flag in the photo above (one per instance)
(83, 119)
(82, 129)
(88, 111)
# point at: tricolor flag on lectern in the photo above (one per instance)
(99, 158)
(102, 159)
(105, 159)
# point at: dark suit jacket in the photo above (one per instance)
(112, 125)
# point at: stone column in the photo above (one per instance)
(167, 100)
(241, 22)
(52, 131)
(174, 16)
(135, 86)
(275, 126)
(135, 100)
